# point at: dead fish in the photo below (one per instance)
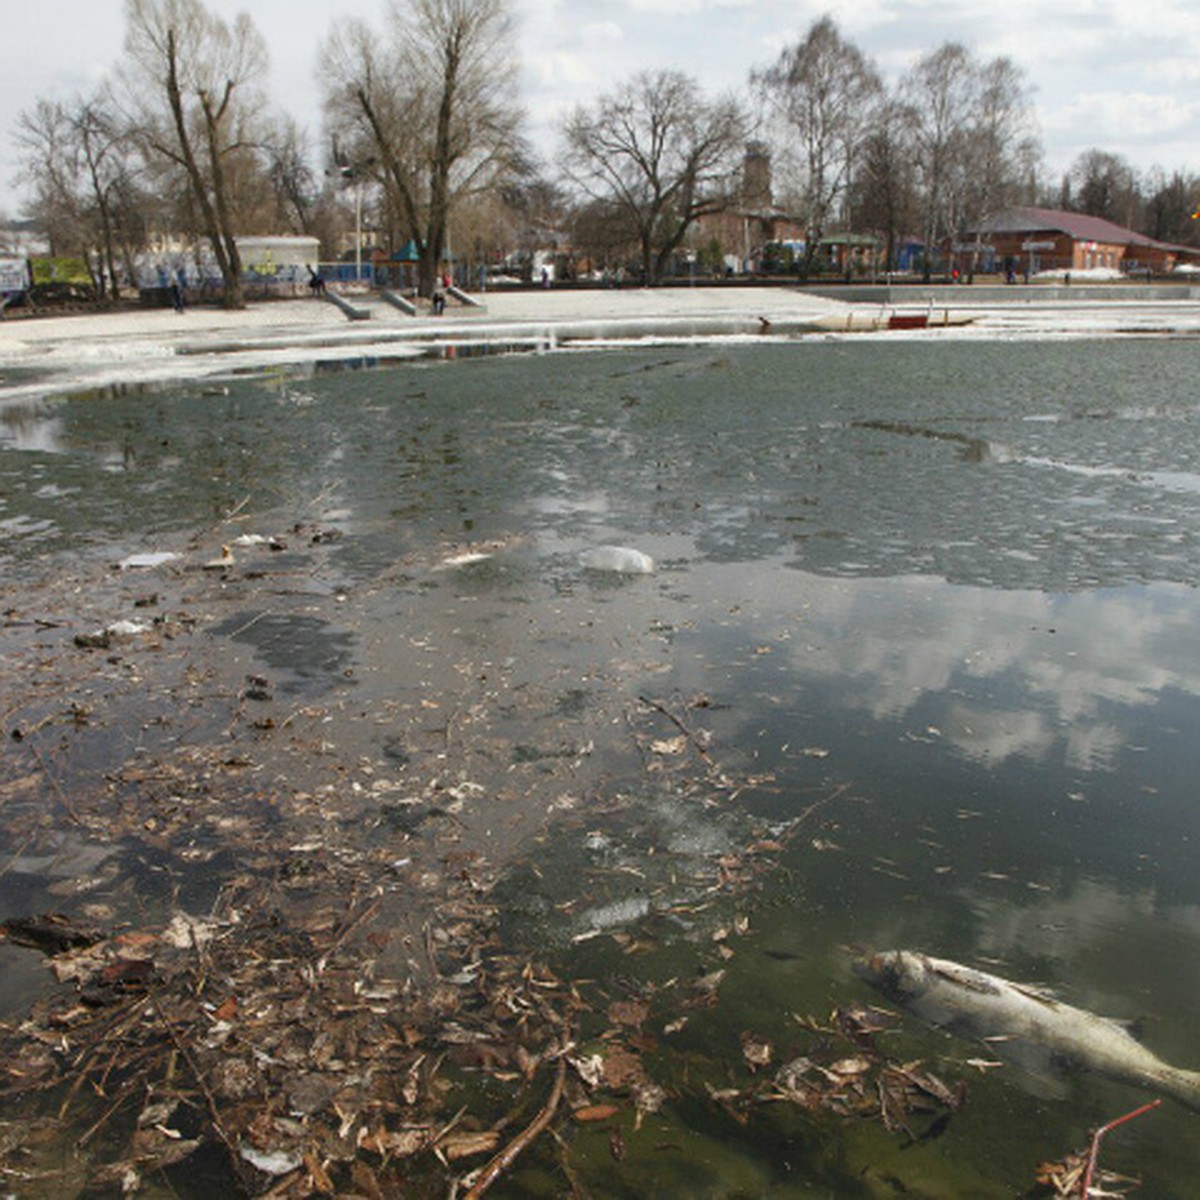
(974, 1004)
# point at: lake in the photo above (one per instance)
(918, 667)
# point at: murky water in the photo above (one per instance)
(943, 595)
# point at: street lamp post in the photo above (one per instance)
(357, 226)
(350, 172)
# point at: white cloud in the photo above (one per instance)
(602, 31)
(560, 72)
(1120, 76)
(1122, 116)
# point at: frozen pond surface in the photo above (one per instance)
(946, 589)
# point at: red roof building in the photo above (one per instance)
(1041, 239)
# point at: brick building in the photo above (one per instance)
(1045, 239)
(745, 228)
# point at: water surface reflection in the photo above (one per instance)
(938, 599)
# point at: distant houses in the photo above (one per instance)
(1029, 240)
(754, 222)
(756, 235)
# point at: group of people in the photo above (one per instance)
(316, 284)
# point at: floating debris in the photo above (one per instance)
(102, 639)
(146, 560)
(621, 560)
(1078, 1176)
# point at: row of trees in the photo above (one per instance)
(182, 140)
(423, 117)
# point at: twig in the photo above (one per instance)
(210, 1100)
(367, 913)
(505, 1159)
(16, 856)
(266, 612)
(55, 785)
(237, 508)
(798, 820)
(1094, 1153)
(127, 1091)
(695, 742)
(430, 951)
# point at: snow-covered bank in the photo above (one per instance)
(53, 354)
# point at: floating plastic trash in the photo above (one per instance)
(621, 559)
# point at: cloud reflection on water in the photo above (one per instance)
(1009, 673)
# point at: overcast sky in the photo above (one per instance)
(1119, 75)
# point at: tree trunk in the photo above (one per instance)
(230, 267)
(399, 191)
(231, 263)
(443, 160)
(648, 279)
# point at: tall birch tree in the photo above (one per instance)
(824, 95)
(938, 94)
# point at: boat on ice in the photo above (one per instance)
(871, 320)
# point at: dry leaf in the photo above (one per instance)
(756, 1051)
(675, 745)
(595, 1112)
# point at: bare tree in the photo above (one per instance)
(938, 94)
(293, 183)
(1002, 150)
(194, 81)
(661, 155)
(973, 137)
(430, 108)
(1102, 184)
(49, 158)
(883, 193)
(825, 94)
(535, 215)
(75, 155)
(1170, 206)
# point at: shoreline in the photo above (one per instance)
(56, 354)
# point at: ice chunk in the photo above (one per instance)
(621, 559)
(127, 628)
(151, 559)
(465, 560)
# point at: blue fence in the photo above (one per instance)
(347, 272)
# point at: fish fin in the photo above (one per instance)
(1041, 994)
(1041, 1069)
(1136, 1028)
(964, 977)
